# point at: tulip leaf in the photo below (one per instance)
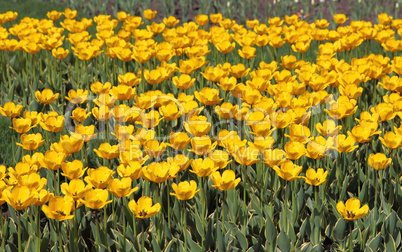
(220, 240)
(374, 243)
(155, 246)
(240, 238)
(283, 241)
(192, 245)
(270, 230)
(339, 230)
(390, 243)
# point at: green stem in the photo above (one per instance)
(184, 212)
(38, 232)
(286, 206)
(142, 236)
(59, 236)
(350, 237)
(223, 214)
(19, 232)
(124, 222)
(97, 245)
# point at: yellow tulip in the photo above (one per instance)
(31, 142)
(203, 167)
(143, 207)
(76, 189)
(352, 209)
(379, 161)
(96, 198)
(73, 170)
(160, 172)
(121, 188)
(11, 110)
(225, 181)
(20, 197)
(59, 208)
(185, 190)
(288, 170)
(315, 178)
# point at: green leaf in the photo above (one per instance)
(270, 230)
(375, 242)
(390, 243)
(339, 230)
(192, 245)
(283, 241)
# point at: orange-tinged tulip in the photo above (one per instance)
(52, 122)
(46, 96)
(288, 170)
(352, 209)
(31, 142)
(121, 188)
(96, 198)
(225, 181)
(379, 161)
(183, 82)
(185, 190)
(20, 197)
(73, 170)
(143, 207)
(59, 208)
(99, 177)
(11, 110)
(274, 157)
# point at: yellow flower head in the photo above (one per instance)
(73, 170)
(315, 178)
(59, 208)
(121, 188)
(225, 181)
(352, 210)
(185, 190)
(288, 170)
(100, 177)
(11, 110)
(379, 161)
(143, 207)
(96, 198)
(46, 96)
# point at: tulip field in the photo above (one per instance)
(130, 134)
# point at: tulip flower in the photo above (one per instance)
(73, 170)
(107, 151)
(22, 125)
(20, 197)
(288, 170)
(59, 208)
(121, 188)
(77, 97)
(160, 172)
(315, 178)
(149, 14)
(46, 96)
(53, 160)
(52, 122)
(352, 210)
(31, 142)
(225, 181)
(133, 170)
(379, 161)
(143, 207)
(178, 140)
(208, 96)
(96, 198)
(11, 110)
(185, 190)
(76, 189)
(197, 126)
(99, 177)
